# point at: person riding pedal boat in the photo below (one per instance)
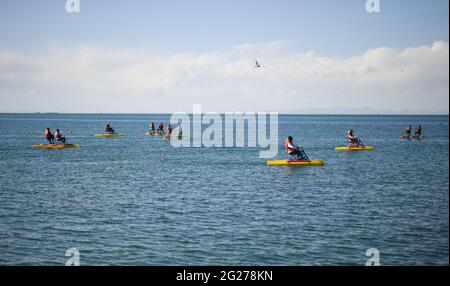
(352, 139)
(418, 132)
(152, 128)
(179, 131)
(49, 136)
(161, 129)
(408, 131)
(295, 151)
(109, 129)
(59, 137)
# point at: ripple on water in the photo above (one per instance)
(137, 200)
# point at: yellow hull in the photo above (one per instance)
(109, 135)
(151, 133)
(351, 148)
(295, 163)
(412, 137)
(56, 146)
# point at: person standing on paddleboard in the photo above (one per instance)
(294, 150)
(59, 137)
(48, 135)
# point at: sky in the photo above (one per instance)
(148, 56)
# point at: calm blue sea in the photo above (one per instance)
(139, 201)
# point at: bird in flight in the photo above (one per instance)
(257, 65)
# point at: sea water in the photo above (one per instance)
(137, 200)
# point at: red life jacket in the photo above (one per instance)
(286, 146)
(57, 135)
(350, 136)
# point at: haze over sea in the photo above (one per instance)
(138, 201)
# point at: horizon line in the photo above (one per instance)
(190, 113)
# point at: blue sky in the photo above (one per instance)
(327, 26)
(331, 56)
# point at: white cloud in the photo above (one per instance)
(92, 78)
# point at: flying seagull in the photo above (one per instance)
(257, 65)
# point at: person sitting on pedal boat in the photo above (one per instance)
(59, 137)
(152, 128)
(49, 136)
(418, 131)
(109, 129)
(408, 131)
(294, 150)
(161, 128)
(354, 141)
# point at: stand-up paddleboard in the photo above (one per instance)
(412, 137)
(110, 135)
(56, 146)
(295, 163)
(354, 148)
(152, 133)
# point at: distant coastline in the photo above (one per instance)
(280, 113)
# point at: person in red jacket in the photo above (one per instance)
(49, 136)
(169, 129)
(294, 150)
(418, 131)
(152, 128)
(355, 141)
(59, 137)
(161, 129)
